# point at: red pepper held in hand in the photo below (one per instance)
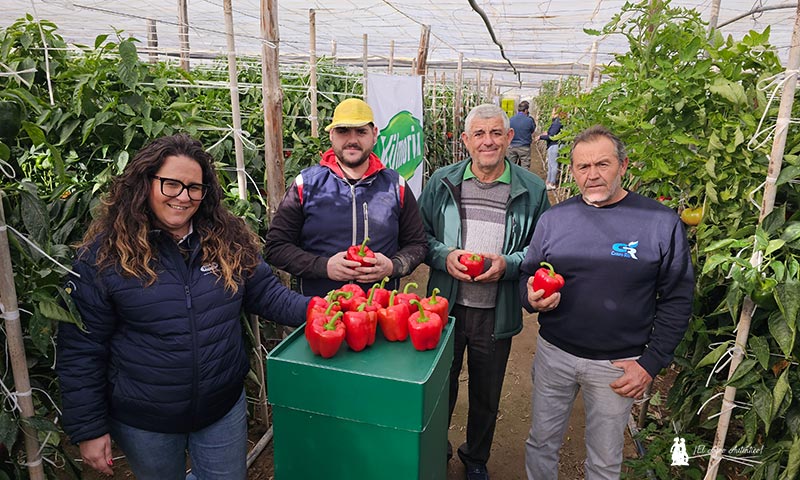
(437, 305)
(358, 329)
(547, 279)
(473, 262)
(381, 295)
(406, 297)
(394, 320)
(425, 328)
(357, 253)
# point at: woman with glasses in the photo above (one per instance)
(165, 271)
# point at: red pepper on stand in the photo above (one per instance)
(394, 320)
(547, 279)
(315, 313)
(425, 328)
(406, 297)
(330, 334)
(473, 262)
(381, 294)
(358, 328)
(357, 253)
(371, 307)
(437, 305)
(348, 299)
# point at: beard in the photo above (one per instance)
(351, 162)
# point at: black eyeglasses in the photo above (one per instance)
(172, 188)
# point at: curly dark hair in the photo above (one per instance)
(125, 219)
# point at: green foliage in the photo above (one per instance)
(686, 106)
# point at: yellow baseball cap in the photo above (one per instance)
(352, 112)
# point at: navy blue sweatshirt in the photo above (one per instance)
(628, 279)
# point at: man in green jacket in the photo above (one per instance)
(488, 206)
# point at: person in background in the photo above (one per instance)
(552, 147)
(523, 125)
(623, 310)
(161, 280)
(348, 197)
(485, 205)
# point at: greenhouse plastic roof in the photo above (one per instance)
(541, 40)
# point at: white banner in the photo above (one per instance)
(397, 104)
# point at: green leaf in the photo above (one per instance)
(762, 403)
(775, 220)
(35, 219)
(8, 429)
(779, 392)
(34, 132)
(40, 330)
(742, 369)
(793, 464)
(773, 246)
(714, 355)
(5, 152)
(791, 233)
(733, 92)
(126, 69)
(52, 310)
(760, 348)
(783, 335)
(788, 296)
(787, 174)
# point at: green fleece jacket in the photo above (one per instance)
(441, 217)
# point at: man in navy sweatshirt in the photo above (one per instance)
(616, 322)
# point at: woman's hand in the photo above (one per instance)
(97, 454)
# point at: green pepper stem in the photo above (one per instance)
(409, 284)
(331, 325)
(422, 317)
(383, 282)
(391, 298)
(434, 300)
(361, 251)
(552, 271)
(330, 305)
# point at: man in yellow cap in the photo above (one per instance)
(349, 198)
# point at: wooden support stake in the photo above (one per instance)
(183, 33)
(422, 51)
(152, 41)
(592, 65)
(233, 82)
(312, 60)
(16, 350)
(457, 107)
(391, 58)
(273, 105)
(366, 65)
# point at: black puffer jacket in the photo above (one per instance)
(167, 358)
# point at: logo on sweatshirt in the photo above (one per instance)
(625, 250)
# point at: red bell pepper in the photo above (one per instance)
(371, 308)
(437, 305)
(330, 334)
(547, 279)
(425, 328)
(358, 328)
(406, 297)
(473, 262)
(393, 320)
(349, 300)
(315, 313)
(381, 295)
(357, 253)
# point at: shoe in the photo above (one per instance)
(477, 472)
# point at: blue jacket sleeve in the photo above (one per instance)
(266, 296)
(83, 357)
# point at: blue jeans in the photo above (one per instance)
(552, 164)
(557, 377)
(218, 451)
